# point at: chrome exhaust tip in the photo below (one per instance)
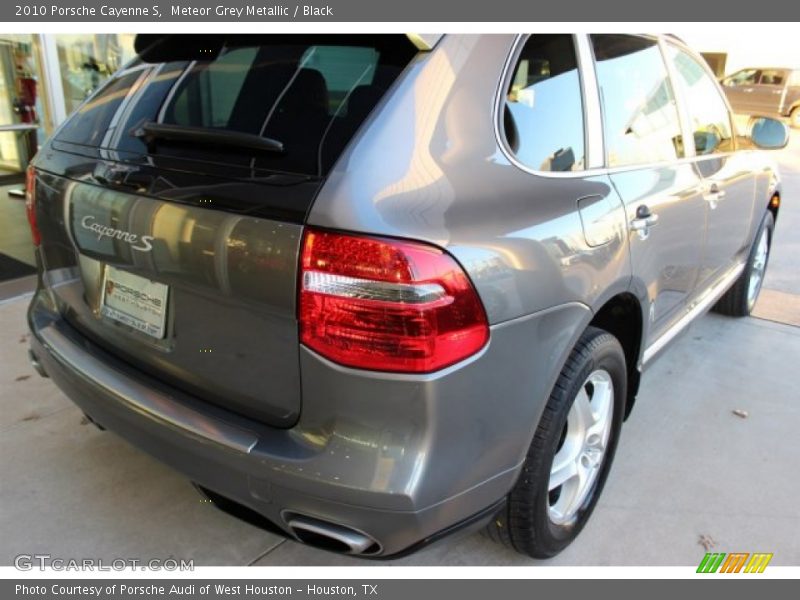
(331, 536)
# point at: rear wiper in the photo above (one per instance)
(151, 132)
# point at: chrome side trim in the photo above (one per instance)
(592, 103)
(696, 309)
(140, 398)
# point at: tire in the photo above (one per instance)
(794, 117)
(535, 520)
(740, 299)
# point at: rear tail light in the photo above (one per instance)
(387, 305)
(30, 204)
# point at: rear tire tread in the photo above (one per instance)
(733, 303)
(513, 526)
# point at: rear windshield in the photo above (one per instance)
(308, 93)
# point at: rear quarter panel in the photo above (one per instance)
(428, 166)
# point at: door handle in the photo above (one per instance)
(713, 195)
(643, 221)
(748, 90)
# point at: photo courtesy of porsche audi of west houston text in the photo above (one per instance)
(158, 590)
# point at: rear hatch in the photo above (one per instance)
(171, 204)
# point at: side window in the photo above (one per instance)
(639, 111)
(543, 113)
(771, 77)
(708, 115)
(743, 77)
(795, 78)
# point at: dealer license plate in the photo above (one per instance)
(135, 301)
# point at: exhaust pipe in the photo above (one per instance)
(308, 530)
(239, 511)
(330, 536)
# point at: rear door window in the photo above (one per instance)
(772, 77)
(303, 91)
(743, 77)
(640, 115)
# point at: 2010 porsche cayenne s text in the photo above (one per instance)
(373, 289)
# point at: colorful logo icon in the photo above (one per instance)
(735, 562)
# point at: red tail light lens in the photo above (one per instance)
(30, 204)
(387, 305)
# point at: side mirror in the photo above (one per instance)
(705, 142)
(767, 133)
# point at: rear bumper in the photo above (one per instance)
(400, 458)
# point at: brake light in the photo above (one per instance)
(387, 305)
(30, 204)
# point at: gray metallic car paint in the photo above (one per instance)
(399, 457)
(386, 444)
(229, 276)
(428, 162)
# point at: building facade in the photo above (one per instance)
(43, 78)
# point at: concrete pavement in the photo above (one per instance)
(687, 468)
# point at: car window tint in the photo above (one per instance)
(343, 70)
(310, 98)
(743, 77)
(145, 105)
(304, 91)
(708, 114)
(207, 97)
(90, 125)
(639, 112)
(771, 77)
(543, 113)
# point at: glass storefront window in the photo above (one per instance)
(21, 106)
(87, 60)
(30, 103)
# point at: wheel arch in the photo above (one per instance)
(774, 204)
(621, 316)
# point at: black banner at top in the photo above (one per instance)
(187, 11)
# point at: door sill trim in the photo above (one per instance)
(700, 306)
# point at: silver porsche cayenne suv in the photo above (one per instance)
(369, 290)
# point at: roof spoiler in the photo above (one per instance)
(424, 42)
(154, 47)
